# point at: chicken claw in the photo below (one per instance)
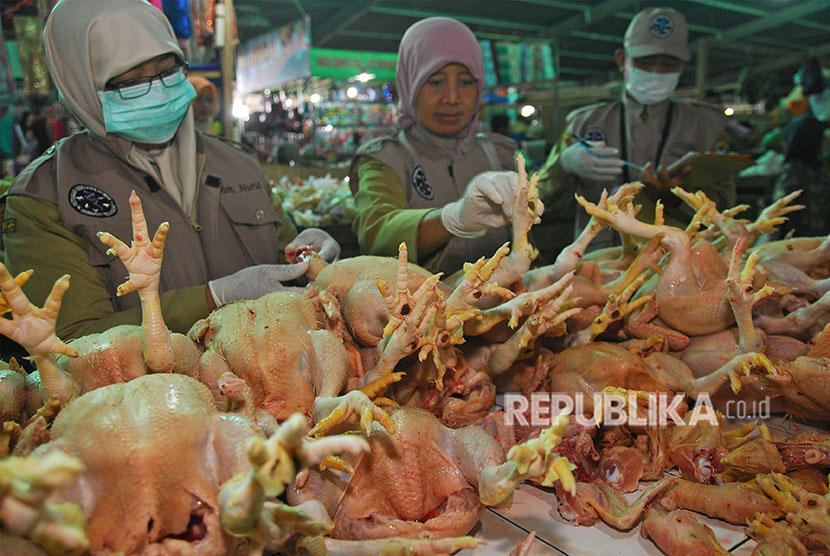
(20, 279)
(243, 508)
(341, 408)
(31, 327)
(461, 305)
(773, 215)
(143, 262)
(25, 487)
(403, 302)
(531, 459)
(615, 309)
(742, 299)
(807, 513)
(745, 364)
(143, 257)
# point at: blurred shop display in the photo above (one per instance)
(311, 106)
(514, 74)
(314, 201)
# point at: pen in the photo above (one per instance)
(587, 147)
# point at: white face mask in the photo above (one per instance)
(648, 87)
(820, 104)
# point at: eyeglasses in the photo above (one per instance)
(140, 86)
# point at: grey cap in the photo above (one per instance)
(657, 31)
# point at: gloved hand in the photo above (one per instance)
(606, 167)
(255, 281)
(325, 245)
(487, 203)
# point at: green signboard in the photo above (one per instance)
(343, 64)
(14, 59)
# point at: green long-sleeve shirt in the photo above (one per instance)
(384, 218)
(40, 241)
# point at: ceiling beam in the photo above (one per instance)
(591, 14)
(300, 8)
(785, 61)
(597, 37)
(753, 49)
(585, 55)
(479, 35)
(465, 18)
(565, 70)
(565, 5)
(335, 22)
(775, 19)
(750, 10)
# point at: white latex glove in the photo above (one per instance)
(607, 166)
(487, 203)
(255, 281)
(322, 242)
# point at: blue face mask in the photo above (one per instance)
(151, 118)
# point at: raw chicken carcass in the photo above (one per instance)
(427, 480)
(163, 468)
(155, 451)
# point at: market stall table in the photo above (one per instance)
(535, 509)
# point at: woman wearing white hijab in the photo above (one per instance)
(121, 73)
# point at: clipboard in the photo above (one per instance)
(711, 166)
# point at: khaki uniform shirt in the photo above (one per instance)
(55, 208)
(693, 127)
(397, 180)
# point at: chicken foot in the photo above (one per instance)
(742, 299)
(532, 459)
(25, 487)
(592, 501)
(143, 261)
(527, 211)
(807, 514)
(275, 462)
(548, 318)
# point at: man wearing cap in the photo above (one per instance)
(645, 128)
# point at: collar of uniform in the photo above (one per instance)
(119, 146)
(436, 147)
(634, 108)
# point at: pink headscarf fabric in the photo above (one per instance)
(426, 47)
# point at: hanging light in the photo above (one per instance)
(729, 111)
(239, 110)
(351, 92)
(364, 77)
(315, 98)
(527, 110)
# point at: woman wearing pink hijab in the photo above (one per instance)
(437, 184)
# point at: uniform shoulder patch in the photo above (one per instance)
(92, 201)
(421, 183)
(595, 134)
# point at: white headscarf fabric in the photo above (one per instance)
(88, 42)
